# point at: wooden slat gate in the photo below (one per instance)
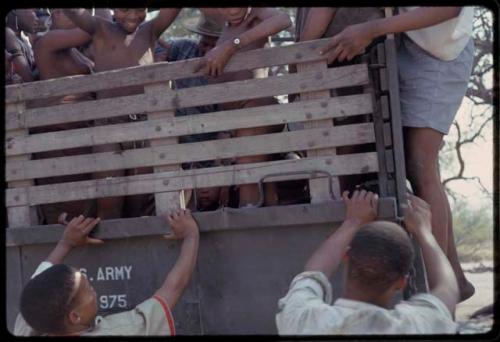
(247, 256)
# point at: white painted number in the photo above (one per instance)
(112, 301)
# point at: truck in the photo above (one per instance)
(247, 256)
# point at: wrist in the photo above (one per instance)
(65, 245)
(377, 28)
(353, 222)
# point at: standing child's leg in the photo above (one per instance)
(422, 150)
(249, 193)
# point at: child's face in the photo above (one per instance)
(233, 15)
(27, 20)
(129, 19)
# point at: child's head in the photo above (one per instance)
(57, 300)
(234, 15)
(26, 19)
(207, 198)
(129, 19)
(380, 256)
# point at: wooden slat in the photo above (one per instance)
(387, 134)
(189, 179)
(204, 123)
(23, 215)
(190, 97)
(162, 72)
(255, 218)
(379, 135)
(384, 106)
(318, 188)
(397, 131)
(165, 202)
(182, 153)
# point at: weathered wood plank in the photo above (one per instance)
(165, 202)
(318, 188)
(397, 131)
(204, 123)
(387, 134)
(189, 179)
(183, 153)
(292, 215)
(189, 97)
(162, 72)
(24, 215)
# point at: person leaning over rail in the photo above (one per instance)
(377, 257)
(245, 29)
(435, 56)
(59, 301)
(129, 40)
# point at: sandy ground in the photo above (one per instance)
(483, 282)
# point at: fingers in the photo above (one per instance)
(169, 237)
(62, 219)
(202, 64)
(330, 45)
(93, 241)
(334, 55)
(89, 224)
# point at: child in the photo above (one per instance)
(56, 56)
(21, 20)
(377, 257)
(435, 60)
(126, 42)
(245, 29)
(60, 301)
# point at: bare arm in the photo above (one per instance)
(163, 20)
(317, 21)
(83, 19)
(57, 40)
(442, 281)
(75, 234)
(184, 227)
(360, 209)
(355, 38)
(272, 21)
(18, 59)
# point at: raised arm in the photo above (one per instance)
(83, 19)
(355, 38)
(317, 21)
(75, 234)
(183, 227)
(163, 20)
(56, 40)
(272, 22)
(442, 281)
(361, 208)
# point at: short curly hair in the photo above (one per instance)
(45, 300)
(380, 253)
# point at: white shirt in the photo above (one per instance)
(306, 310)
(445, 40)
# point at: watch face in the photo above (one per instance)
(236, 41)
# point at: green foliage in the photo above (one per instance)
(473, 230)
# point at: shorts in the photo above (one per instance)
(431, 90)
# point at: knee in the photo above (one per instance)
(421, 173)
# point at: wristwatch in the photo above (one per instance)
(237, 43)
